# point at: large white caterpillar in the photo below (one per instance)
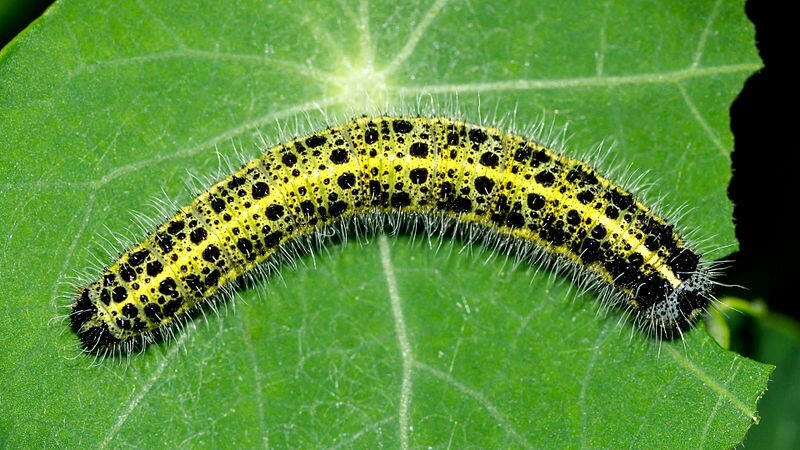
(504, 184)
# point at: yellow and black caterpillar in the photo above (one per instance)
(504, 184)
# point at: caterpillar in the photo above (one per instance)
(473, 176)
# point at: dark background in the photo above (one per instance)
(764, 160)
(764, 164)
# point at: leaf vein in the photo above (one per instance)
(406, 352)
(493, 411)
(415, 36)
(711, 383)
(666, 77)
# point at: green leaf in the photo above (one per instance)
(775, 339)
(385, 343)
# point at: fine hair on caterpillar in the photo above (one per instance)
(435, 175)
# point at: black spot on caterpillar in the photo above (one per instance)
(503, 184)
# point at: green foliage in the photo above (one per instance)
(385, 343)
(775, 339)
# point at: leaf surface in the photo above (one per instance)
(379, 343)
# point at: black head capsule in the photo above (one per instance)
(94, 335)
(82, 311)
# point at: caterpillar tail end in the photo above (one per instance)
(681, 310)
